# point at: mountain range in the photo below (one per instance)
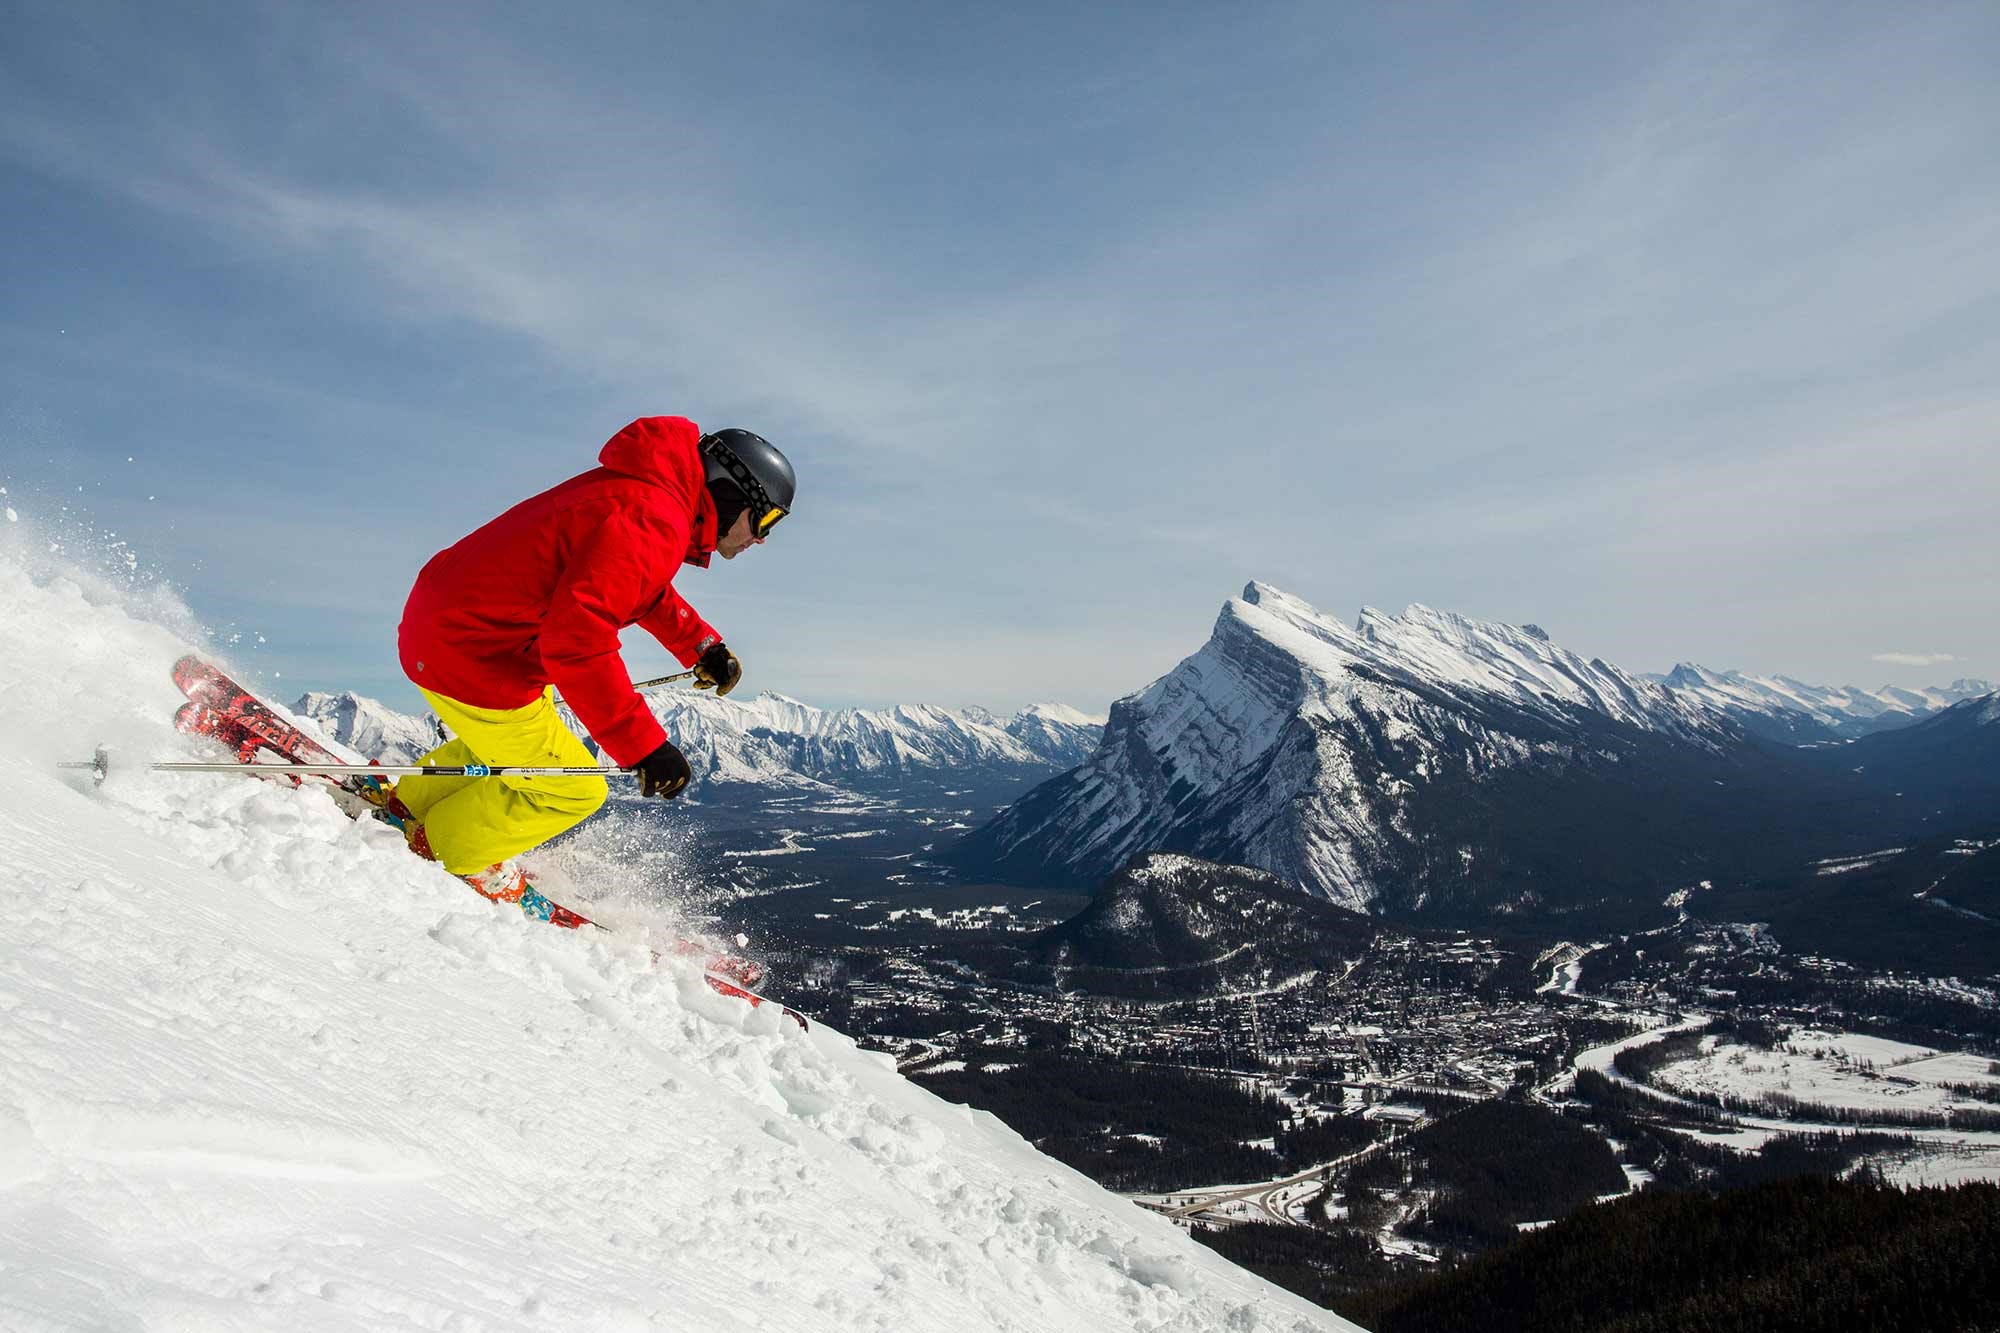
(1429, 763)
(1784, 709)
(774, 741)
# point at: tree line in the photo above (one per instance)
(1804, 1255)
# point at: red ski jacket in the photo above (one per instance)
(537, 596)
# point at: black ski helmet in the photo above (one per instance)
(753, 467)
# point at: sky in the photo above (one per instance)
(1672, 329)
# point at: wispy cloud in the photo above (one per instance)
(1071, 322)
(1915, 659)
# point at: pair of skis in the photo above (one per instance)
(268, 745)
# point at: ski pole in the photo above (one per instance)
(662, 680)
(101, 764)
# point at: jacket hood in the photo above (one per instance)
(665, 452)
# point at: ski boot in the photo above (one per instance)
(506, 882)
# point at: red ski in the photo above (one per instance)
(224, 711)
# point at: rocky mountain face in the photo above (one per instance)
(1419, 763)
(368, 726)
(1782, 709)
(774, 741)
(1168, 925)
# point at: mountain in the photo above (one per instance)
(1783, 709)
(774, 741)
(1949, 762)
(1421, 762)
(264, 1068)
(1059, 734)
(1177, 925)
(368, 726)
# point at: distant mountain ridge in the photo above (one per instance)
(1425, 762)
(369, 726)
(772, 740)
(1784, 709)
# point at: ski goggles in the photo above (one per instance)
(764, 514)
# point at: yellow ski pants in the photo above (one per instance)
(473, 822)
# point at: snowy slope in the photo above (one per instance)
(1783, 708)
(264, 1070)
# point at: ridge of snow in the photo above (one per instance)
(1062, 714)
(265, 1067)
(1845, 709)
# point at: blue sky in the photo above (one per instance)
(1670, 328)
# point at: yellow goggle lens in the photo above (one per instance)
(770, 520)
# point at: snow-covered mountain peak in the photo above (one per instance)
(1061, 714)
(1292, 623)
(778, 700)
(1516, 662)
(1449, 652)
(1293, 742)
(1276, 600)
(368, 726)
(1690, 675)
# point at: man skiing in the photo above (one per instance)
(533, 602)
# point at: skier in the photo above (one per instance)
(533, 602)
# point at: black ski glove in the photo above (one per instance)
(717, 670)
(663, 773)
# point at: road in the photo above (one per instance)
(1268, 1201)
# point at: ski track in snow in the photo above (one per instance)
(259, 1068)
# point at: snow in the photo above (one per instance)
(1841, 865)
(1845, 709)
(263, 1069)
(1062, 715)
(1833, 1069)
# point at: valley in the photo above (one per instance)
(1339, 1064)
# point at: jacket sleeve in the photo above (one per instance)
(604, 580)
(679, 628)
